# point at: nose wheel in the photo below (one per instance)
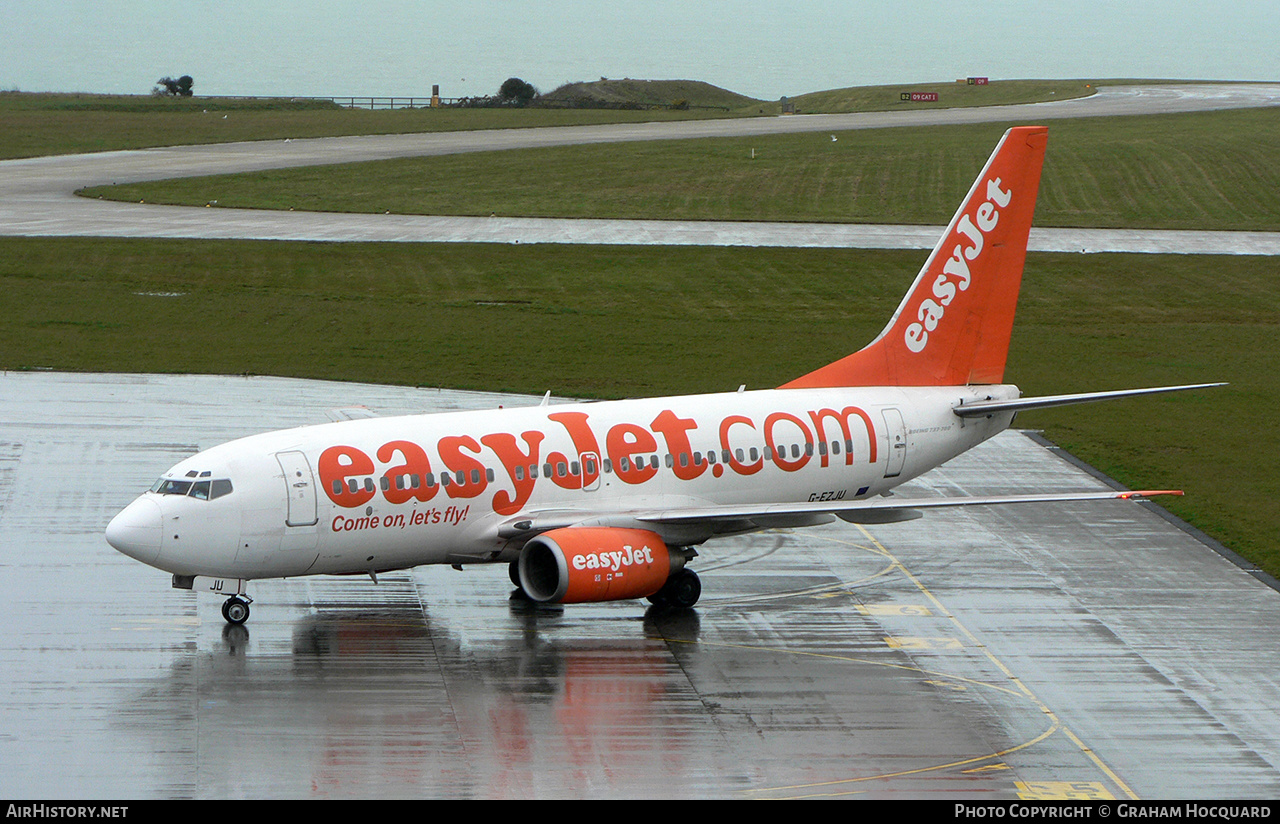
(235, 610)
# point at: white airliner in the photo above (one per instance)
(605, 501)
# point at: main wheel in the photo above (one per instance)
(681, 591)
(235, 611)
(685, 590)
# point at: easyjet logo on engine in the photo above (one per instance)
(970, 235)
(613, 561)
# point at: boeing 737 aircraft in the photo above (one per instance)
(606, 501)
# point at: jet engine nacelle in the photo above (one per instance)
(577, 564)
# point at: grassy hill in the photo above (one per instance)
(647, 94)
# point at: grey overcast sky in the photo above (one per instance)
(761, 49)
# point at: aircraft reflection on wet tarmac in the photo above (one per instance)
(800, 694)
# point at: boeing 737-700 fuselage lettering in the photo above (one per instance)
(605, 501)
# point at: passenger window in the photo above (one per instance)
(519, 472)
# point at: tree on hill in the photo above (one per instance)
(517, 92)
(174, 88)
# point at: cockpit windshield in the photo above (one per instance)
(204, 490)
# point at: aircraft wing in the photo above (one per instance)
(881, 510)
(741, 518)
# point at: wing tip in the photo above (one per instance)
(1148, 493)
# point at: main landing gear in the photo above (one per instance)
(236, 609)
(681, 591)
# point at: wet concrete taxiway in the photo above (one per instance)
(1079, 650)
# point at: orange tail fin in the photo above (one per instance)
(953, 327)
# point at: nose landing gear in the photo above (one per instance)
(236, 609)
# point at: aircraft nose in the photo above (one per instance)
(136, 530)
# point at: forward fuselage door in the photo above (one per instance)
(896, 434)
(300, 486)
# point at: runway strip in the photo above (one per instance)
(37, 200)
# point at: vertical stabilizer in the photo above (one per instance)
(953, 327)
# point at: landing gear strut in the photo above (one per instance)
(235, 610)
(681, 591)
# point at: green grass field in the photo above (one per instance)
(1217, 170)
(532, 318)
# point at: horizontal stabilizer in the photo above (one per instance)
(983, 408)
